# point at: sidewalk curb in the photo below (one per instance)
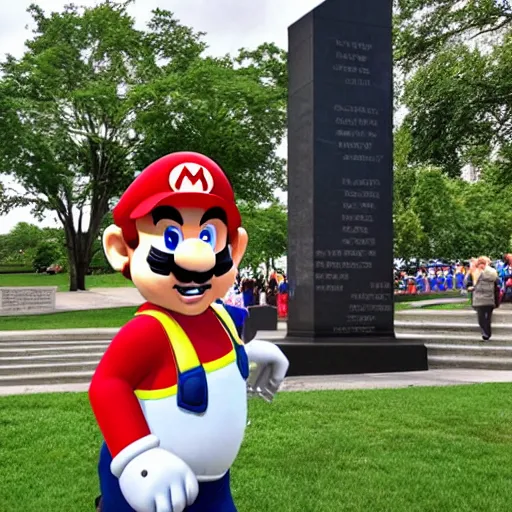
(60, 335)
(90, 334)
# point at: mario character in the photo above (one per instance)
(170, 393)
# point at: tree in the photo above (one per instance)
(449, 218)
(404, 175)
(460, 109)
(410, 240)
(488, 218)
(232, 109)
(423, 28)
(19, 245)
(94, 99)
(440, 213)
(267, 228)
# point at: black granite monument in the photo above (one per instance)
(340, 194)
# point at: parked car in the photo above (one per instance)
(54, 269)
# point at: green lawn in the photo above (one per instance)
(427, 296)
(62, 280)
(409, 450)
(115, 317)
(402, 305)
(458, 306)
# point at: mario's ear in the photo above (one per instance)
(239, 245)
(116, 249)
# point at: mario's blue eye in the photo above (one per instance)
(172, 238)
(209, 235)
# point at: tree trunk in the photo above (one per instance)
(78, 267)
(79, 245)
(70, 232)
(73, 282)
(81, 272)
(78, 257)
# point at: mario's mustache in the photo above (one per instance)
(162, 263)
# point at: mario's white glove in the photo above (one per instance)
(268, 368)
(153, 479)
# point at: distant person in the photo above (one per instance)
(248, 292)
(459, 277)
(272, 282)
(506, 278)
(482, 283)
(282, 299)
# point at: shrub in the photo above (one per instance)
(47, 253)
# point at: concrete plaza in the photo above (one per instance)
(71, 345)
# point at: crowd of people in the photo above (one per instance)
(488, 282)
(441, 277)
(428, 278)
(259, 291)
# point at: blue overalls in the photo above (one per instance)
(192, 396)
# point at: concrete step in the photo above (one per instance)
(27, 345)
(51, 358)
(485, 349)
(99, 334)
(31, 379)
(49, 350)
(60, 360)
(449, 327)
(462, 316)
(469, 362)
(454, 338)
(58, 335)
(47, 368)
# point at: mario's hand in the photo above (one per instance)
(153, 479)
(268, 368)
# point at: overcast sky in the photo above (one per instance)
(229, 25)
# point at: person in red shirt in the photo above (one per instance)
(170, 393)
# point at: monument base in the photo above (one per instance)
(352, 355)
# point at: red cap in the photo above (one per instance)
(181, 180)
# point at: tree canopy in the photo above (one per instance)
(423, 28)
(267, 228)
(93, 100)
(460, 107)
(441, 217)
(21, 245)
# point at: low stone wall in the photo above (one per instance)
(261, 318)
(29, 299)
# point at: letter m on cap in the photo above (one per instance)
(190, 177)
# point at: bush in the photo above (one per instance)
(15, 269)
(47, 254)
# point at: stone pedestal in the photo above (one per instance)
(22, 300)
(263, 318)
(340, 193)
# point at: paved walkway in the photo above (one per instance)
(448, 377)
(98, 298)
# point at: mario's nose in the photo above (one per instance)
(194, 255)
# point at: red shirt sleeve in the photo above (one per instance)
(136, 351)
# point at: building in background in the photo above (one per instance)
(470, 173)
